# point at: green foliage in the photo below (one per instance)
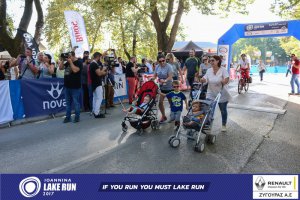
(262, 44)
(290, 45)
(251, 51)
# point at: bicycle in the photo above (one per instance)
(243, 83)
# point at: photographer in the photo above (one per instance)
(27, 65)
(97, 73)
(72, 82)
(131, 70)
(110, 60)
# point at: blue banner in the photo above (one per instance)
(16, 100)
(147, 186)
(43, 96)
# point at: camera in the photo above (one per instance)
(6, 65)
(65, 55)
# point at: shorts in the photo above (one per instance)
(166, 91)
(175, 116)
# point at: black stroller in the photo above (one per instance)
(149, 116)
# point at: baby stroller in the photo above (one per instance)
(202, 133)
(149, 116)
(198, 92)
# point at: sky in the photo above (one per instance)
(198, 27)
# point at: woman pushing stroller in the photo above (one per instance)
(217, 78)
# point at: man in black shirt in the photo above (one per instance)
(72, 83)
(97, 72)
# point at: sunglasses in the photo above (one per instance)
(160, 61)
(212, 60)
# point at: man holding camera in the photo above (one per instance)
(72, 82)
(27, 65)
(97, 72)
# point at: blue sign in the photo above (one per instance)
(148, 186)
(266, 28)
(43, 96)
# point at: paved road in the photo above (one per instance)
(256, 141)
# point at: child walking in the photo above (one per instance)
(176, 98)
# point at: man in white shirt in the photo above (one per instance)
(244, 66)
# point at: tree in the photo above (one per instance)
(290, 10)
(168, 13)
(251, 51)
(14, 45)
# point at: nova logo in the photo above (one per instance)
(56, 102)
(55, 92)
(30, 187)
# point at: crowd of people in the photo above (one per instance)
(89, 75)
(94, 78)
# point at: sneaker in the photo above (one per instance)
(66, 120)
(223, 129)
(77, 119)
(291, 93)
(112, 105)
(170, 120)
(100, 116)
(162, 120)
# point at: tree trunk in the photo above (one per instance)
(95, 36)
(40, 21)
(123, 39)
(14, 45)
(165, 42)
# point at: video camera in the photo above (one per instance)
(110, 60)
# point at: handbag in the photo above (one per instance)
(263, 71)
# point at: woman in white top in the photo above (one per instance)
(217, 78)
(262, 69)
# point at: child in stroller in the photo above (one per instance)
(144, 113)
(138, 109)
(199, 120)
(194, 118)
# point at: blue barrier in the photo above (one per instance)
(31, 98)
(273, 69)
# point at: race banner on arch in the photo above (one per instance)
(77, 32)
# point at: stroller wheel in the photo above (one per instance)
(211, 139)
(199, 147)
(154, 124)
(139, 131)
(124, 127)
(175, 142)
(170, 138)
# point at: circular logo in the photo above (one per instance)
(249, 27)
(223, 50)
(30, 187)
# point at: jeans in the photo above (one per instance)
(295, 79)
(261, 74)
(72, 96)
(223, 109)
(90, 88)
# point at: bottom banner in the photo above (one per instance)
(147, 186)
